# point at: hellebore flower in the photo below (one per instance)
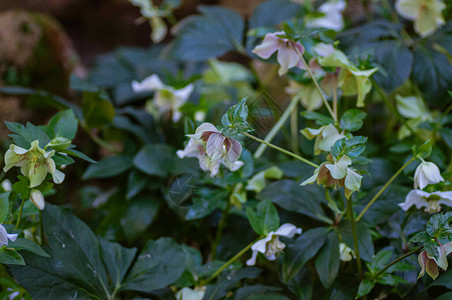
(287, 51)
(352, 80)
(430, 263)
(34, 163)
(270, 246)
(308, 94)
(37, 198)
(431, 201)
(325, 136)
(338, 174)
(166, 97)
(212, 148)
(426, 173)
(426, 14)
(331, 18)
(346, 254)
(152, 13)
(189, 294)
(414, 109)
(4, 236)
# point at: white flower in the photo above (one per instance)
(34, 163)
(426, 14)
(332, 16)
(341, 169)
(190, 294)
(426, 173)
(4, 236)
(152, 13)
(326, 136)
(38, 199)
(270, 246)
(346, 254)
(287, 51)
(431, 201)
(166, 97)
(6, 185)
(212, 148)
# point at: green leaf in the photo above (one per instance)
(352, 119)
(227, 280)
(327, 261)
(352, 147)
(303, 249)
(156, 159)
(10, 257)
(25, 135)
(108, 167)
(117, 259)
(265, 219)
(194, 40)
(365, 287)
(97, 109)
(4, 205)
(423, 151)
(365, 244)
(446, 134)
(140, 213)
(64, 124)
(24, 244)
(289, 195)
(159, 264)
(21, 187)
(380, 260)
(318, 118)
(136, 182)
(78, 154)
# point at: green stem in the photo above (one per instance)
(281, 149)
(383, 189)
(355, 236)
(294, 130)
(308, 69)
(226, 264)
(397, 260)
(19, 217)
(293, 104)
(391, 107)
(221, 224)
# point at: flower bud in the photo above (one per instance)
(426, 173)
(38, 199)
(59, 143)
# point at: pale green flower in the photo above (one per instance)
(346, 254)
(38, 199)
(426, 14)
(414, 109)
(352, 80)
(34, 163)
(153, 14)
(325, 136)
(430, 263)
(257, 183)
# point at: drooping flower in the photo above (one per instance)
(37, 198)
(325, 136)
(166, 98)
(308, 94)
(4, 236)
(346, 254)
(34, 163)
(331, 17)
(288, 52)
(152, 13)
(352, 80)
(271, 246)
(431, 201)
(430, 263)
(337, 174)
(426, 14)
(426, 173)
(212, 148)
(190, 294)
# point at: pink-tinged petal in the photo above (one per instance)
(442, 258)
(193, 149)
(288, 230)
(447, 248)
(201, 129)
(422, 258)
(233, 151)
(299, 47)
(287, 58)
(214, 146)
(270, 44)
(432, 268)
(150, 83)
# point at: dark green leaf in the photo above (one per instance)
(4, 206)
(365, 287)
(10, 257)
(97, 109)
(25, 135)
(156, 159)
(265, 219)
(365, 244)
(24, 244)
(108, 167)
(64, 124)
(318, 118)
(352, 119)
(140, 213)
(327, 261)
(303, 249)
(159, 264)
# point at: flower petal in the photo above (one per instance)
(252, 260)
(214, 147)
(38, 199)
(288, 230)
(3, 236)
(270, 44)
(150, 83)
